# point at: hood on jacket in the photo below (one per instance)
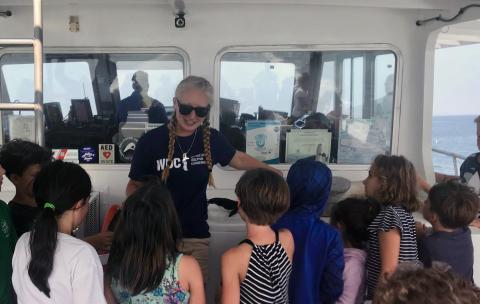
(309, 182)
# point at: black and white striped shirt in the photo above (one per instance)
(267, 276)
(390, 217)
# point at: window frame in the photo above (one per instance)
(215, 112)
(102, 50)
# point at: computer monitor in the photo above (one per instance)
(81, 111)
(53, 115)
(264, 114)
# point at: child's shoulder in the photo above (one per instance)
(75, 248)
(286, 240)
(394, 211)
(238, 252)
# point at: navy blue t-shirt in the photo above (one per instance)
(188, 179)
(454, 248)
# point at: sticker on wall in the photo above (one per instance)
(67, 155)
(88, 155)
(106, 154)
(126, 148)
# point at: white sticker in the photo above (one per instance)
(106, 154)
(67, 155)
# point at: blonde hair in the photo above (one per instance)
(398, 181)
(187, 84)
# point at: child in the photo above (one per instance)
(412, 284)
(392, 182)
(450, 207)
(144, 264)
(258, 269)
(49, 265)
(22, 161)
(317, 274)
(352, 217)
(8, 238)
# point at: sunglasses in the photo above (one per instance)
(186, 109)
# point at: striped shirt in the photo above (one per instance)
(267, 275)
(390, 217)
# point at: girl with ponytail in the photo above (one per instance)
(182, 153)
(50, 265)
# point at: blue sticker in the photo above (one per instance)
(87, 155)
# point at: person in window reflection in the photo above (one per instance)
(140, 99)
(302, 102)
(383, 109)
(183, 153)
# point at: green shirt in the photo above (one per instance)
(8, 238)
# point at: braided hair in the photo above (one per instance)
(172, 125)
(189, 83)
(207, 151)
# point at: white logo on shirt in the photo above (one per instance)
(176, 163)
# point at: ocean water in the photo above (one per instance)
(455, 134)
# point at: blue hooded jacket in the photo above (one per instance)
(317, 274)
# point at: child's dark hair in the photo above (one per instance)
(17, 155)
(263, 195)
(398, 180)
(57, 188)
(455, 204)
(146, 239)
(355, 214)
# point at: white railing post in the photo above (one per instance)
(38, 69)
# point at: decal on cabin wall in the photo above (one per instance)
(126, 148)
(67, 155)
(88, 155)
(106, 154)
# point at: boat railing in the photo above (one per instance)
(454, 156)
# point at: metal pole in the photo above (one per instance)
(455, 165)
(20, 106)
(38, 69)
(13, 42)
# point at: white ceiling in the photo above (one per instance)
(402, 4)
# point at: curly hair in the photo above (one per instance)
(398, 181)
(412, 284)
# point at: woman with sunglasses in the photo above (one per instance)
(183, 153)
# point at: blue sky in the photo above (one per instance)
(457, 81)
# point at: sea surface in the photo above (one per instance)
(455, 134)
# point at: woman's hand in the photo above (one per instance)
(100, 241)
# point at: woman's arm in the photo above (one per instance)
(243, 161)
(389, 250)
(230, 279)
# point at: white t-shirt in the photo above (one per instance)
(77, 275)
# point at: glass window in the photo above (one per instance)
(95, 99)
(284, 105)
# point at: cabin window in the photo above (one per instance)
(284, 105)
(93, 102)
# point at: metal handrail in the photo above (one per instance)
(37, 43)
(454, 157)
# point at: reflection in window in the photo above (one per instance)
(85, 95)
(282, 106)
